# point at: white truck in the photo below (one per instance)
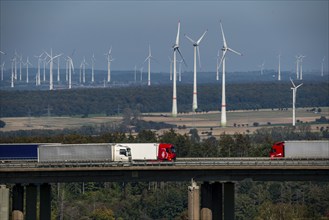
(301, 149)
(83, 152)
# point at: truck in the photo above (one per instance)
(300, 149)
(83, 153)
(151, 151)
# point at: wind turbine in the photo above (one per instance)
(27, 69)
(38, 82)
(294, 91)
(58, 74)
(297, 66)
(20, 67)
(148, 58)
(176, 49)
(2, 68)
(70, 67)
(279, 68)
(196, 51)
(92, 68)
(301, 67)
(135, 76)
(109, 60)
(51, 61)
(84, 63)
(261, 68)
(322, 64)
(12, 72)
(222, 61)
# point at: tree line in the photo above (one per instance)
(112, 101)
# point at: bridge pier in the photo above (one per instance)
(217, 201)
(4, 202)
(45, 201)
(31, 202)
(18, 202)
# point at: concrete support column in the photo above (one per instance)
(193, 201)
(217, 201)
(18, 202)
(229, 201)
(4, 203)
(31, 202)
(45, 201)
(206, 201)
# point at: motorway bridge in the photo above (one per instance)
(216, 175)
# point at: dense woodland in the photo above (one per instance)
(168, 200)
(111, 101)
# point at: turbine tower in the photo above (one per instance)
(148, 58)
(294, 91)
(261, 68)
(70, 68)
(51, 61)
(38, 81)
(301, 67)
(176, 49)
(222, 61)
(92, 68)
(27, 69)
(2, 68)
(58, 72)
(322, 66)
(83, 64)
(196, 50)
(109, 60)
(180, 70)
(279, 68)
(171, 62)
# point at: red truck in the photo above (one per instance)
(301, 149)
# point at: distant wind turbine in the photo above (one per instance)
(92, 68)
(222, 61)
(261, 68)
(279, 68)
(196, 51)
(109, 60)
(176, 49)
(20, 66)
(301, 67)
(2, 68)
(70, 68)
(51, 61)
(12, 72)
(58, 71)
(27, 69)
(148, 58)
(294, 91)
(83, 64)
(322, 66)
(38, 76)
(297, 66)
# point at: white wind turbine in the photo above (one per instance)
(294, 91)
(322, 66)
(70, 68)
(261, 68)
(135, 76)
(176, 49)
(2, 68)
(2, 52)
(297, 66)
(279, 68)
(12, 72)
(222, 61)
(38, 77)
(92, 68)
(301, 67)
(84, 63)
(58, 73)
(148, 58)
(196, 51)
(27, 69)
(20, 66)
(51, 61)
(109, 60)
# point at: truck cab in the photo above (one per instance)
(122, 154)
(277, 150)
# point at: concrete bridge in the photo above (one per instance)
(216, 175)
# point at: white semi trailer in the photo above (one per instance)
(83, 152)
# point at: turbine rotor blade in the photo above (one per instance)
(177, 37)
(200, 39)
(229, 49)
(199, 56)
(190, 39)
(224, 41)
(221, 60)
(292, 83)
(181, 57)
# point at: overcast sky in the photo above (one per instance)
(258, 29)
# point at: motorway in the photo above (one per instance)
(183, 169)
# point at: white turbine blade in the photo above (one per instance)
(190, 39)
(299, 85)
(177, 37)
(221, 60)
(110, 50)
(2, 52)
(224, 41)
(47, 54)
(229, 49)
(199, 56)
(146, 59)
(57, 56)
(182, 57)
(292, 83)
(200, 39)
(150, 51)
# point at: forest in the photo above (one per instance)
(168, 200)
(112, 101)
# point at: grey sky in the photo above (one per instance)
(258, 29)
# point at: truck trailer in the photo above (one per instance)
(151, 151)
(83, 152)
(301, 149)
(18, 151)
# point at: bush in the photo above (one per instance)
(2, 124)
